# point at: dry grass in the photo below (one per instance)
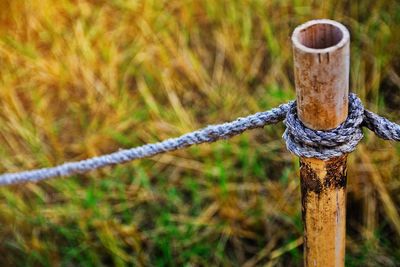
(81, 78)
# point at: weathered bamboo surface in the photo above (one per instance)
(321, 66)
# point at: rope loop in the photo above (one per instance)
(309, 143)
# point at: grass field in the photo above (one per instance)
(82, 78)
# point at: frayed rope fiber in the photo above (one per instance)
(300, 140)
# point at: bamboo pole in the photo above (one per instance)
(321, 67)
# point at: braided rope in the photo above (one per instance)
(305, 142)
(300, 140)
(206, 135)
(381, 126)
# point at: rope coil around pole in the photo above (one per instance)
(300, 140)
(309, 143)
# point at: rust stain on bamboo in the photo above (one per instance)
(323, 187)
(336, 172)
(335, 176)
(314, 180)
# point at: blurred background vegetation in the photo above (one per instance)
(82, 78)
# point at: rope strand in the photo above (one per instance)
(206, 135)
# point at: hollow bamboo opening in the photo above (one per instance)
(317, 35)
(320, 36)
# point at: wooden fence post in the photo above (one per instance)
(321, 67)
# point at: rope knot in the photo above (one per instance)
(305, 142)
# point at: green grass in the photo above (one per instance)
(82, 78)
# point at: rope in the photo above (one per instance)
(300, 140)
(308, 143)
(206, 135)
